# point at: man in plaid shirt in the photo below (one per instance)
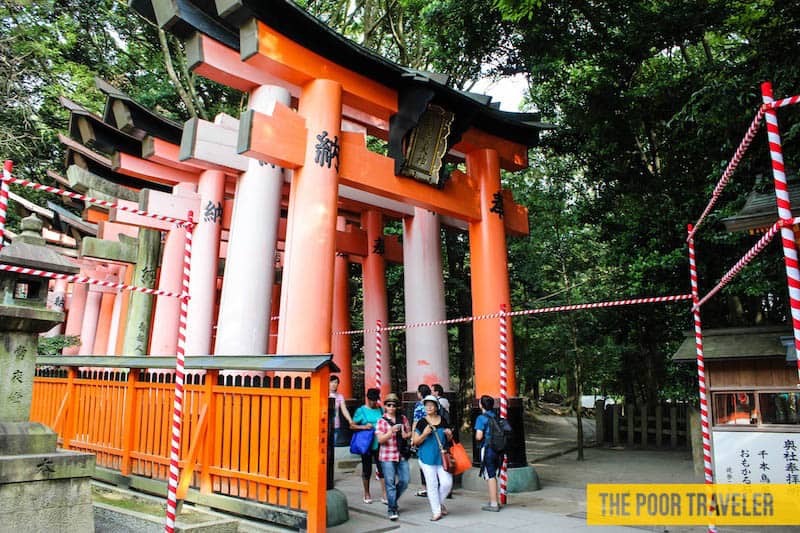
(390, 430)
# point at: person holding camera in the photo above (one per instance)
(393, 432)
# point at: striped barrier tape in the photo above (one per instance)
(541, 310)
(378, 354)
(783, 102)
(89, 281)
(784, 213)
(734, 162)
(7, 178)
(504, 396)
(745, 260)
(177, 404)
(701, 378)
(7, 167)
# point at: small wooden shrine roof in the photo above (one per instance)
(760, 210)
(738, 343)
(183, 18)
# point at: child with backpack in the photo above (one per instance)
(492, 434)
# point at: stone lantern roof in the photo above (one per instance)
(29, 250)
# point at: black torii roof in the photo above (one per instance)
(183, 18)
(143, 121)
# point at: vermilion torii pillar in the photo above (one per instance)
(77, 309)
(489, 278)
(250, 266)
(307, 287)
(426, 348)
(106, 314)
(342, 348)
(205, 263)
(375, 303)
(164, 340)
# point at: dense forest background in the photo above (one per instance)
(649, 99)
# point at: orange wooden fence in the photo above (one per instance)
(265, 442)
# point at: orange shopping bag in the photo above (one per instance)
(463, 462)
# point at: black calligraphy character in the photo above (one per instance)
(379, 247)
(16, 377)
(20, 353)
(59, 302)
(148, 275)
(211, 212)
(15, 397)
(497, 204)
(46, 467)
(327, 150)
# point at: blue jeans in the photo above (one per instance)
(396, 476)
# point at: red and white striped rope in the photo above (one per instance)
(784, 213)
(40, 187)
(541, 310)
(87, 280)
(177, 404)
(745, 260)
(701, 378)
(734, 162)
(783, 102)
(504, 395)
(378, 355)
(7, 167)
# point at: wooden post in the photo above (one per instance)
(207, 460)
(644, 425)
(630, 415)
(316, 441)
(688, 421)
(659, 424)
(673, 426)
(129, 422)
(69, 423)
(599, 415)
(615, 424)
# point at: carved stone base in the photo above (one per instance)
(45, 489)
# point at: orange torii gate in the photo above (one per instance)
(250, 45)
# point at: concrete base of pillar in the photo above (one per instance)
(522, 479)
(337, 512)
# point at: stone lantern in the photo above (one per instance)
(41, 488)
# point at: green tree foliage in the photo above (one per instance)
(53, 48)
(650, 98)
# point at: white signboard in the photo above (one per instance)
(756, 457)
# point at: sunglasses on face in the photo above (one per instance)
(391, 405)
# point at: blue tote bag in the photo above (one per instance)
(361, 441)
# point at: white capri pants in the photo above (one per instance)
(439, 482)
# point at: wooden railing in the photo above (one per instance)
(261, 439)
(644, 426)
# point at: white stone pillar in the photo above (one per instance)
(250, 266)
(426, 348)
